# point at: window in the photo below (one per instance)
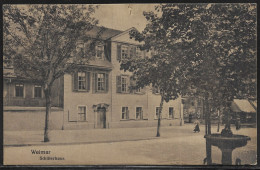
(37, 91)
(139, 113)
(125, 113)
(19, 90)
(81, 81)
(100, 51)
(124, 86)
(157, 112)
(124, 52)
(82, 113)
(100, 82)
(171, 112)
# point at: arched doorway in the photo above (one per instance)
(101, 117)
(100, 111)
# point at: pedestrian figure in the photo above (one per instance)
(197, 128)
(238, 123)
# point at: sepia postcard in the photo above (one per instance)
(130, 84)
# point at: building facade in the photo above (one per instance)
(98, 95)
(24, 92)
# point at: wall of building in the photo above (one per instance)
(116, 101)
(31, 120)
(28, 99)
(74, 99)
(147, 101)
(154, 101)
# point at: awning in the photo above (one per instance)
(242, 105)
(254, 103)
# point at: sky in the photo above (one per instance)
(123, 16)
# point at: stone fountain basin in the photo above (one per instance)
(224, 142)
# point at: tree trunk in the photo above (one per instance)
(208, 130)
(47, 92)
(159, 117)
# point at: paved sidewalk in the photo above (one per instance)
(26, 138)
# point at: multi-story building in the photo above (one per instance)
(98, 94)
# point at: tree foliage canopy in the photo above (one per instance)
(211, 47)
(41, 39)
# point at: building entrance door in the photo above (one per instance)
(101, 117)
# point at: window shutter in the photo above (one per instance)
(107, 81)
(127, 84)
(75, 81)
(132, 84)
(94, 82)
(73, 115)
(142, 114)
(130, 51)
(88, 81)
(103, 51)
(106, 52)
(118, 52)
(95, 50)
(118, 84)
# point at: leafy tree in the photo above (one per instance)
(211, 47)
(41, 42)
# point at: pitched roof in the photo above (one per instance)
(242, 105)
(124, 32)
(100, 64)
(105, 33)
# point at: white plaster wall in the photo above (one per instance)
(74, 99)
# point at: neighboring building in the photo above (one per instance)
(23, 92)
(98, 95)
(244, 110)
(193, 109)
